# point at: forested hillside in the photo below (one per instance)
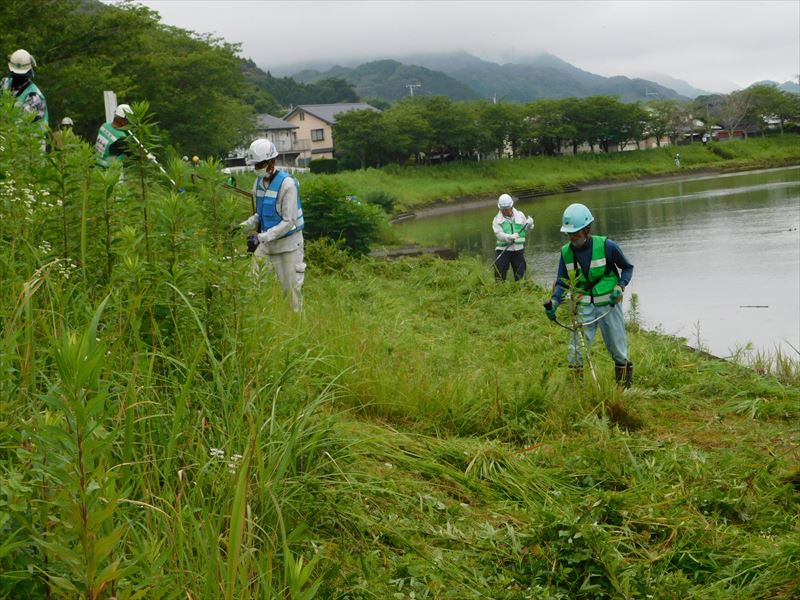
(462, 76)
(193, 82)
(288, 92)
(389, 80)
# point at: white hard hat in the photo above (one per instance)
(21, 61)
(226, 170)
(259, 151)
(505, 201)
(67, 121)
(123, 110)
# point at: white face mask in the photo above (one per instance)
(261, 172)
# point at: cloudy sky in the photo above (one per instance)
(710, 44)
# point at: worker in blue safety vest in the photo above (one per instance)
(278, 221)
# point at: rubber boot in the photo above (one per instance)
(623, 374)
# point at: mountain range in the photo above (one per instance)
(463, 76)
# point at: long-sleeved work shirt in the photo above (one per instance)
(615, 260)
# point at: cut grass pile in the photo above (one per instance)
(169, 429)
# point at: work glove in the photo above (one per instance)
(529, 223)
(252, 243)
(616, 295)
(513, 237)
(550, 309)
(151, 157)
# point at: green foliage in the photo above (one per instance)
(388, 80)
(170, 428)
(383, 199)
(194, 83)
(324, 165)
(331, 213)
(288, 92)
(421, 185)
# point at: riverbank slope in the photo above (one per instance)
(421, 187)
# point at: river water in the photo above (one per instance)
(717, 258)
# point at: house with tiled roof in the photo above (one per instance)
(314, 124)
(284, 135)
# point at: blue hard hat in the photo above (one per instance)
(575, 218)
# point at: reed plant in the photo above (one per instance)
(169, 428)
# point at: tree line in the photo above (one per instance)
(204, 95)
(427, 129)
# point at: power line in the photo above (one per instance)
(411, 87)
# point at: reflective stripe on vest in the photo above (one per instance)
(106, 136)
(604, 279)
(268, 215)
(511, 227)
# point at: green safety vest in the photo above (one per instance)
(106, 137)
(602, 278)
(511, 227)
(29, 89)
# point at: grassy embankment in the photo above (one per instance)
(416, 187)
(414, 432)
(169, 429)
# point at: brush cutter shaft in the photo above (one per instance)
(151, 157)
(227, 186)
(581, 325)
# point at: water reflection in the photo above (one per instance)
(704, 250)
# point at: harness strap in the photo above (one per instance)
(592, 283)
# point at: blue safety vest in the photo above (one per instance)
(268, 215)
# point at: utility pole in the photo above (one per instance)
(654, 94)
(411, 87)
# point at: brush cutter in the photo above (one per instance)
(578, 329)
(525, 227)
(151, 157)
(232, 188)
(549, 305)
(252, 240)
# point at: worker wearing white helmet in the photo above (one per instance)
(278, 221)
(510, 227)
(66, 124)
(19, 83)
(601, 272)
(112, 137)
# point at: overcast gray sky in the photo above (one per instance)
(710, 44)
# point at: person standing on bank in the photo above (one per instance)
(278, 221)
(58, 135)
(510, 227)
(112, 137)
(19, 83)
(602, 273)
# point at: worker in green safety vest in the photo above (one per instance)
(19, 83)
(510, 228)
(111, 138)
(603, 272)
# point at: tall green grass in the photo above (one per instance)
(169, 428)
(415, 187)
